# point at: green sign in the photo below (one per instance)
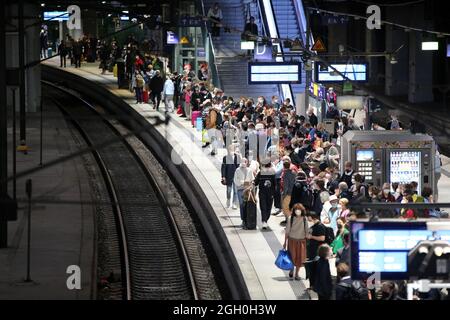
(347, 87)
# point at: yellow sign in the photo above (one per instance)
(184, 40)
(319, 46)
(316, 89)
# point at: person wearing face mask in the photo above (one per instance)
(295, 238)
(386, 195)
(230, 163)
(287, 184)
(348, 174)
(330, 213)
(389, 291)
(243, 178)
(275, 103)
(265, 180)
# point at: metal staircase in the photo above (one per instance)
(288, 26)
(231, 65)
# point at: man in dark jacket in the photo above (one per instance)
(156, 87)
(77, 53)
(251, 31)
(229, 165)
(301, 193)
(347, 175)
(62, 50)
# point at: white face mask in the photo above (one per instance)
(243, 165)
(298, 212)
(260, 100)
(386, 191)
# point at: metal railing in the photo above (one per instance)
(209, 48)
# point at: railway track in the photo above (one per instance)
(156, 257)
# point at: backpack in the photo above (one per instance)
(219, 120)
(307, 198)
(139, 81)
(329, 235)
(355, 291)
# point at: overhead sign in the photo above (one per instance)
(319, 46)
(274, 72)
(385, 247)
(263, 52)
(188, 21)
(172, 38)
(51, 15)
(247, 45)
(74, 21)
(350, 102)
(354, 72)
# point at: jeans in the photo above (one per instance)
(139, 97)
(214, 138)
(240, 194)
(156, 96)
(235, 196)
(168, 102)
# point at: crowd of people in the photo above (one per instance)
(288, 166)
(284, 163)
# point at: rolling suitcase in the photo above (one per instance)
(250, 211)
(195, 115)
(145, 96)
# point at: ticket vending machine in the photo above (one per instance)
(390, 156)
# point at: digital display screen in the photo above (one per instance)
(384, 247)
(375, 261)
(273, 72)
(354, 72)
(397, 239)
(50, 15)
(365, 155)
(405, 167)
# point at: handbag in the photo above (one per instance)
(284, 261)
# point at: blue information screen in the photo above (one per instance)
(376, 261)
(384, 247)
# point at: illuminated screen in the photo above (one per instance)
(355, 72)
(384, 246)
(50, 15)
(405, 167)
(375, 261)
(273, 72)
(365, 155)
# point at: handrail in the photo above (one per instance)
(275, 34)
(207, 40)
(301, 19)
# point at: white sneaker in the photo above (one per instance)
(264, 225)
(234, 207)
(228, 203)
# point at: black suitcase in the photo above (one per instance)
(250, 215)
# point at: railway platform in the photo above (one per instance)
(255, 250)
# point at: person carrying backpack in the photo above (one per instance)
(346, 288)
(301, 192)
(212, 123)
(265, 180)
